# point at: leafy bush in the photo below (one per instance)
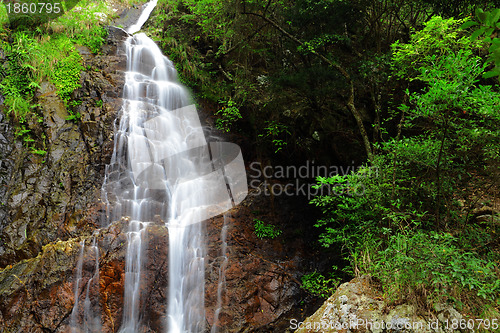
(229, 114)
(431, 261)
(319, 285)
(487, 28)
(439, 37)
(348, 213)
(66, 73)
(275, 132)
(18, 75)
(387, 235)
(263, 230)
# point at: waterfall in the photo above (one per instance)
(91, 318)
(148, 8)
(222, 277)
(162, 165)
(78, 279)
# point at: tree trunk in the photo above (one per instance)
(350, 100)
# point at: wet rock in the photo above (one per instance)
(6, 168)
(260, 289)
(45, 198)
(38, 294)
(359, 306)
(117, 34)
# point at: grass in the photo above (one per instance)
(47, 52)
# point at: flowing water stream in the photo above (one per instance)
(163, 166)
(88, 320)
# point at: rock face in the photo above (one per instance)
(38, 294)
(359, 306)
(51, 206)
(52, 197)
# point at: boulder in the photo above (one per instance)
(359, 306)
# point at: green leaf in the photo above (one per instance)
(477, 33)
(481, 15)
(495, 15)
(468, 24)
(490, 74)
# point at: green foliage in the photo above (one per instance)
(48, 53)
(386, 235)
(214, 19)
(321, 22)
(488, 28)
(40, 152)
(275, 132)
(264, 230)
(229, 114)
(32, 60)
(66, 73)
(93, 38)
(439, 38)
(4, 19)
(451, 109)
(348, 214)
(84, 24)
(432, 261)
(74, 116)
(319, 285)
(18, 77)
(405, 227)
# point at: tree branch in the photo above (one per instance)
(350, 100)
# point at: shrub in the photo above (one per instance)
(263, 230)
(432, 262)
(319, 285)
(229, 114)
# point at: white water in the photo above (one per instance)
(163, 166)
(158, 122)
(143, 18)
(221, 286)
(91, 319)
(78, 278)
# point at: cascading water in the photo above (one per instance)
(78, 279)
(90, 318)
(156, 124)
(163, 166)
(222, 278)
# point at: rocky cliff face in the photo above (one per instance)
(53, 197)
(51, 204)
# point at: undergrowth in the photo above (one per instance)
(264, 230)
(47, 52)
